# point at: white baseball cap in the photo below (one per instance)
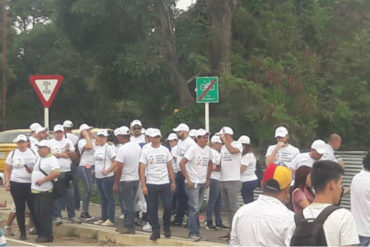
(148, 131)
(201, 132)
(123, 130)
(40, 129)
(85, 127)
(216, 139)
(319, 146)
(21, 137)
(58, 127)
(244, 139)
(181, 127)
(226, 130)
(68, 124)
(281, 132)
(193, 133)
(172, 136)
(102, 132)
(34, 126)
(135, 122)
(155, 132)
(43, 143)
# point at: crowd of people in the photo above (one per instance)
(45, 171)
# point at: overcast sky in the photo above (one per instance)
(184, 4)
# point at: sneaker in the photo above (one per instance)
(121, 217)
(43, 240)
(176, 223)
(210, 226)
(99, 222)
(154, 236)
(75, 220)
(107, 223)
(8, 231)
(58, 221)
(22, 237)
(222, 226)
(86, 216)
(194, 238)
(226, 237)
(125, 230)
(167, 234)
(147, 227)
(32, 231)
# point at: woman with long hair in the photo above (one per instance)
(302, 194)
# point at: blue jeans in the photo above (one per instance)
(195, 201)
(105, 189)
(214, 202)
(248, 189)
(162, 191)
(67, 200)
(364, 241)
(127, 191)
(85, 174)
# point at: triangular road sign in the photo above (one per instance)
(46, 87)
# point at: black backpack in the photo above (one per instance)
(310, 232)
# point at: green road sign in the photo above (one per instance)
(207, 89)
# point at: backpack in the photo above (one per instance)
(310, 232)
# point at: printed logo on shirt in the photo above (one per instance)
(19, 163)
(99, 156)
(205, 161)
(226, 156)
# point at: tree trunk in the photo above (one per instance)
(166, 31)
(222, 14)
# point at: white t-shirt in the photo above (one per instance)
(155, 160)
(175, 160)
(329, 154)
(17, 160)
(72, 137)
(360, 202)
(87, 156)
(139, 140)
(217, 161)
(103, 157)
(47, 164)
(197, 165)
(33, 141)
(339, 227)
(129, 155)
(249, 160)
(60, 147)
(230, 163)
(303, 159)
(183, 146)
(285, 154)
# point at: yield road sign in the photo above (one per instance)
(207, 89)
(46, 87)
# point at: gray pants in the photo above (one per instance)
(229, 193)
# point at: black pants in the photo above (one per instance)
(21, 193)
(181, 197)
(76, 187)
(43, 215)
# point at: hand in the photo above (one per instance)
(85, 134)
(190, 184)
(173, 186)
(67, 146)
(144, 189)
(207, 183)
(115, 188)
(7, 186)
(39, 182)
(280, 145)
(105, 172)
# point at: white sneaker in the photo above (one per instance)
(147, 227)
(121, 217)
(99, 222)
(58, 221)
(107, 223)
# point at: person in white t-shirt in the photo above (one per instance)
(282, 152)
(334, 143)
(127, 178)
(18, 168)
(33, 128)
(41, 134)
(172, 146)
(248, 170)
(86, 148)
(214, 198)
(47, 169)
(137, 136)
(63, 149)
(68, 126)
(155, 175)
(196, 165)
(339, 227)
(360, 201)
(318, 149)
(184, 143)
(231, 154)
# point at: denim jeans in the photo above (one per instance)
(162, 191)
(85, 174)
(127, 191)
(214, 202)
(42, 214)
(247, 190)
(105, 190)
(364, 241)
(195, 201)
(181, 197)
(229, 193)
(67, 200)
